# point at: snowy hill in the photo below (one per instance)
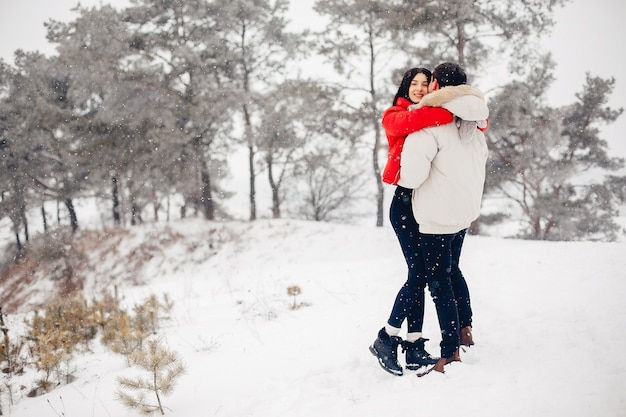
(549, 324)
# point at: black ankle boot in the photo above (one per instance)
(416, 355)
(385, 348)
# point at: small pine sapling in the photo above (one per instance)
(164, 367)
(51, 345)
(8, 352)
(148, 314)
(121, 335)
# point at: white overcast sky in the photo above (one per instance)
(588, 37)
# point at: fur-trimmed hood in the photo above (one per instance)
(464, 101)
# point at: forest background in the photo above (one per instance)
(146, 114)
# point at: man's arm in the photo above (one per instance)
(420, 148)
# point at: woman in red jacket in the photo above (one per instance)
(399, 121)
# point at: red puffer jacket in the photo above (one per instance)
(398, 123)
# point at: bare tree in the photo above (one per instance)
(294, 116)
(258, 47)
(333, 186)
(356, 36)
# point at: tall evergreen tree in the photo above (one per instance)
(552, 162)
(12, 184)
(40, 112)
(113, 109)
(181, 40)
(470, 33)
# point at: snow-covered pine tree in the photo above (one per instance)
(552, 162)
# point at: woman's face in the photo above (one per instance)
(418, 88)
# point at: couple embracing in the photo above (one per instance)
(437, 158)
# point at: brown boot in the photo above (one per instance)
(444, 361)
(466, 336)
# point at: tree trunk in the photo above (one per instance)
(18, 243)
(73, 219)
(15, 219)
(250, 162)
(207, 198)
(167, 212)
(155, 206)
(274, 187)
(460, 46)
(116, 202)
(43, 218)
(380, 195)
(252, 182)
(135, 215)
(24, 221)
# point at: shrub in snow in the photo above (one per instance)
(163, 367)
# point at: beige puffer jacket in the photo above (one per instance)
(445, 165)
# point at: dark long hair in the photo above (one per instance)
(403, 90)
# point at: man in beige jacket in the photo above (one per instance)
(445, 167)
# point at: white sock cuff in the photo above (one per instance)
(392, 331)
(412, 337)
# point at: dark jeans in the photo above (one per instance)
(432, 260)
(409, 303)
(447, 286)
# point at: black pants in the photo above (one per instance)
(432, 260)
(409, 303)
(447, 286)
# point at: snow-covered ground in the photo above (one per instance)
(549, 327)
